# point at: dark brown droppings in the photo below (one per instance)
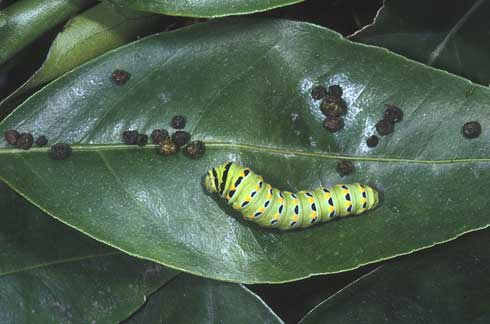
(178, 122)
(318, 92)
(195, 149)
(41, 140)
(471, 129)
(372, 141)
(345, 167)
(142, 139)
(60, 151)
(333, 124)
(158, 135)
(393, 113)
(168, 147)
(335, 90)
(333, 106)
(120, 77)
(130, 137)
(25, 141)
(11, 136)
(385, 127)
(180, 138)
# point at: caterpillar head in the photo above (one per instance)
(211, 181)
(215, 177)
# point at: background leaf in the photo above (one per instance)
(293, 300)
(206, 301)
(447, 284)
(244, 86)
(95, 31)
(24, 21)
(449, 35)
(206, 8)
(52, 274)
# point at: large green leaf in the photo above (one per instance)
(449, 284)
(203, 8)
(451, 35)
(95, 31)
(206, 301)
(244, 86)
(25, 20)
(52, 274)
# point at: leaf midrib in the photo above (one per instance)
(256, 148)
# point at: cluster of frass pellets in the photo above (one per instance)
(24, 141)
(334, 107)
(168, 145)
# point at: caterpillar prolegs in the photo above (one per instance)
(269, 207)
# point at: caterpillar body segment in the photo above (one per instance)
(258, 201)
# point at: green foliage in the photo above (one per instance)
(206, 8)
(25, 20)
(446, 284)
(244, 85)
(453, 38)
(93, 32)
(52, 274)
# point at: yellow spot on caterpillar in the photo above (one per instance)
(276, 216)
(295, 218)
(248, 199)
(330, 209)
(313, 215)
(261, 209)
(281, 200)
(295, 201)
(311, 200)
(233, 188)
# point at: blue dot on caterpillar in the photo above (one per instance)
(259, 202)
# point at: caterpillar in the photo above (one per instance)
(269, 207)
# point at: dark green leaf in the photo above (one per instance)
(52, 274)
(95, 31)
(25, 20)
(451, 35)
(448, 284)
(244, 86)
(188, 299)
(203, 8)
(293, 300)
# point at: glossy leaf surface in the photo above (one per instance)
(93, 32)
(50, 273)
(205, 301)
(448, 35)
(244, 86)
(203, 8)
(24, 21)
(447, 284)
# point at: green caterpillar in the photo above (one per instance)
(269, 207)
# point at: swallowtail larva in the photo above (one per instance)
(269, 207)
